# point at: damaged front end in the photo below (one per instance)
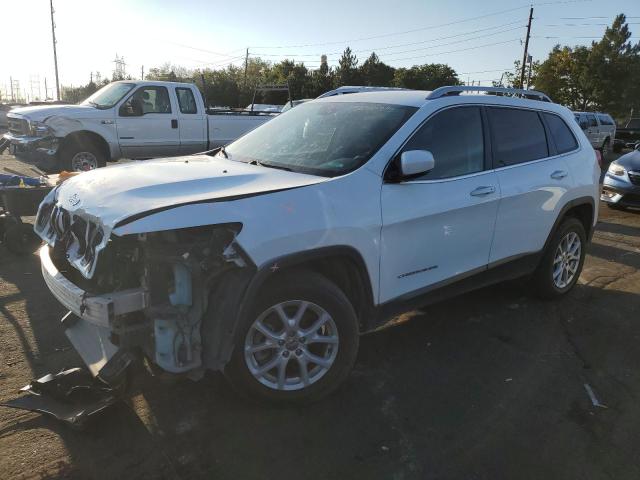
(31, 138)
(138, 296)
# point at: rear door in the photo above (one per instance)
(594, 130)
(439, 227)
(192, 123)
(147, 124)
(533, 177)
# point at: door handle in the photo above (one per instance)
(481, 191)
(558, 174)
(174, 123)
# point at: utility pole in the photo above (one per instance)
(91, 78)
(55, 53)
(142, 73)
(246, 66)
(11, 84)
(526, 49)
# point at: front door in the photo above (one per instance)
(147, 124)
(439, 227)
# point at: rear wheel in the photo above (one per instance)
(298, 344)
(562, 261)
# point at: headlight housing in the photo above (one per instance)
(39, 129)
(616, 169)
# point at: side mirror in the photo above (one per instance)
(415, 162)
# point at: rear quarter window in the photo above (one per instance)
(518, 136)
(561, 134)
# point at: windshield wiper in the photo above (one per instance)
(223, 152)
(270, 165)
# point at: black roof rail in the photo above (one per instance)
(457, 90)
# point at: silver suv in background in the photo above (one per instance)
(600, 129)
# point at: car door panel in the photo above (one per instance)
(532, 195)
(532, 182)
(151, 132)
(191, 121)
(434, 231)
(439, 226)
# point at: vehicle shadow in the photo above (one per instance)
(464, 387)
(617, 228)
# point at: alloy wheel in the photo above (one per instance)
(291, 345)
(566, 260)
(84, 161)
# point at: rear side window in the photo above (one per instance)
(560, 133)
(592, 120)
(186, 100)
(456, 140)
(518, 136)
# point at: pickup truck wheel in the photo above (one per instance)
(299, 342)
(562, 261)
(79, 157)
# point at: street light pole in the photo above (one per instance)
(55, 53)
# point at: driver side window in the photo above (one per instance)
(147, 100)
(456, 140)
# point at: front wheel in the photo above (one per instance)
(298, 344)
(562, 261)
(81, 156)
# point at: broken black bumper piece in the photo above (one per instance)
(72, 396)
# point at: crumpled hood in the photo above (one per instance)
(116, 193)
(630, 161)
(40, 113)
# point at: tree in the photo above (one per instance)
(347, 72)
(511, 79)
(602, 76)
(376, 73)
(426, 77)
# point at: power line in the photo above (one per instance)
(430, 27)
(404, 44)
(456, 51)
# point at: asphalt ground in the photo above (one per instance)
(490, 385)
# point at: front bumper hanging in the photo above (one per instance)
(72, 396)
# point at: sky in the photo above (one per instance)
(479, 39)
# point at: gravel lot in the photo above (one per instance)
(490, 385)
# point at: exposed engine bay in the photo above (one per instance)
(171, 274)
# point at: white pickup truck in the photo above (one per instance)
(126, 119)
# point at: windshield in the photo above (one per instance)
(321, 138)
(109, 95)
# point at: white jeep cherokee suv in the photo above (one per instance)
(267, 259)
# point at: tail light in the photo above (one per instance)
(599, 158)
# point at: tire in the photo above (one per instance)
(80, 156)
(290, 291)
(544, 280)
(21, 239)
